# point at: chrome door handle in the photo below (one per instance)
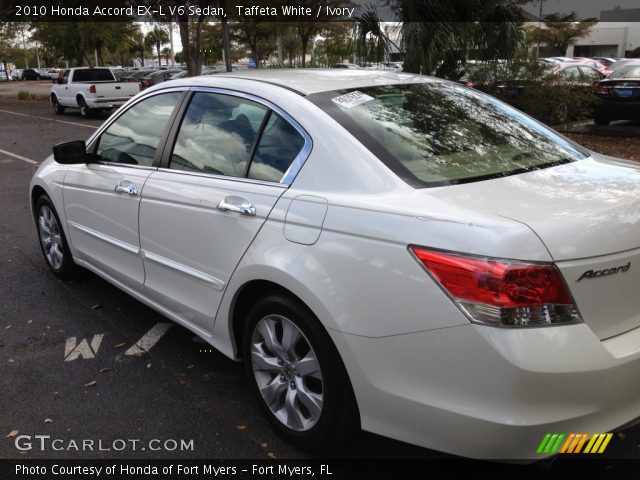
(237, 204)
(127, 187)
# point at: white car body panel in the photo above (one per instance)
(337, 238)
(103, 224)
(182, 269)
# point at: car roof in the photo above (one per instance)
(311, 80)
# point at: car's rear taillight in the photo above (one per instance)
(501, 293)
(92, 89)
(597, 88)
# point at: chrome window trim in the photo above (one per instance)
(297, 163)
(222, 177)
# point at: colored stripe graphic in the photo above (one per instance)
(574, 443)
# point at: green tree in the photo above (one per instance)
(156, 38)
(258, 37)
(439, 35)
(560, 31)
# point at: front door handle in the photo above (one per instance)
(127, 187)
(237, 204)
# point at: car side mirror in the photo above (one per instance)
(73, 153)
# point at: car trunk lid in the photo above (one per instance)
(587, 213)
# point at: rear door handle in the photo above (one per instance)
(240, 205)
(126, 187)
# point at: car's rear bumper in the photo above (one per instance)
(618, 110)
(493, 393)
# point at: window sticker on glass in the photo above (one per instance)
(352, 99)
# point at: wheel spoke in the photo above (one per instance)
(262, 361)
(311, 400)
(272, 393)
(295, 419)
(268, 331)
(44, 228)
(290, 337)
(308, 366)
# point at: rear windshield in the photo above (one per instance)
(93, 75)
(441, 133)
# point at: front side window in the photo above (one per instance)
(133, 138)
(439, 133)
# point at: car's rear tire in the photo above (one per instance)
(53, 241)
(57, 108)
(297, 375)
(85, 111)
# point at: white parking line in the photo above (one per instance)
(19, 157)
(49, 119)
(149, 339)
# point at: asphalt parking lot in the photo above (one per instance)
(70, 368)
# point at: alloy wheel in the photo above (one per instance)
(50, 237)
(287, 372)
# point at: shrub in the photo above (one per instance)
(24, 95)
(533, 86)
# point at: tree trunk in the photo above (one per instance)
(159, 57)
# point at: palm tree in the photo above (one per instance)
(156, 38)
(440, 35)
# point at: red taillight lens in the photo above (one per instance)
(502, 292)
(92, 89)
(597, 88)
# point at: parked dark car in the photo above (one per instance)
(618, 98)
(157, 77)
(30, 74)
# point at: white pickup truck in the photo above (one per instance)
(90, 90)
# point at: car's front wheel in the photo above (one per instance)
(52, 239)
(296, 371)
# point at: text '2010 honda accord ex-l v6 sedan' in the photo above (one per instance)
(389, 252)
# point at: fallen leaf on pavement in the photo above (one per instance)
(90, 384)
(12, 433)
(29, 321)
(264, 445)
(7, 327)
(48, 420)
(119, 345)
(182, 378)
(621, 436)
(96, 307)
(103, 370)
(241, 427)
(190, 366)
(11, 360)
(271, 455)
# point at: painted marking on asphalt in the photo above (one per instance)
(50, 119)
(149, 339)
(19, 157)
(74, 350)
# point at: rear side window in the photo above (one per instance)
(133, 138)
(234, 136)
(93, 75)
(279, 146)
(215, 136)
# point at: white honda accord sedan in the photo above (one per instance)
(384, 251)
